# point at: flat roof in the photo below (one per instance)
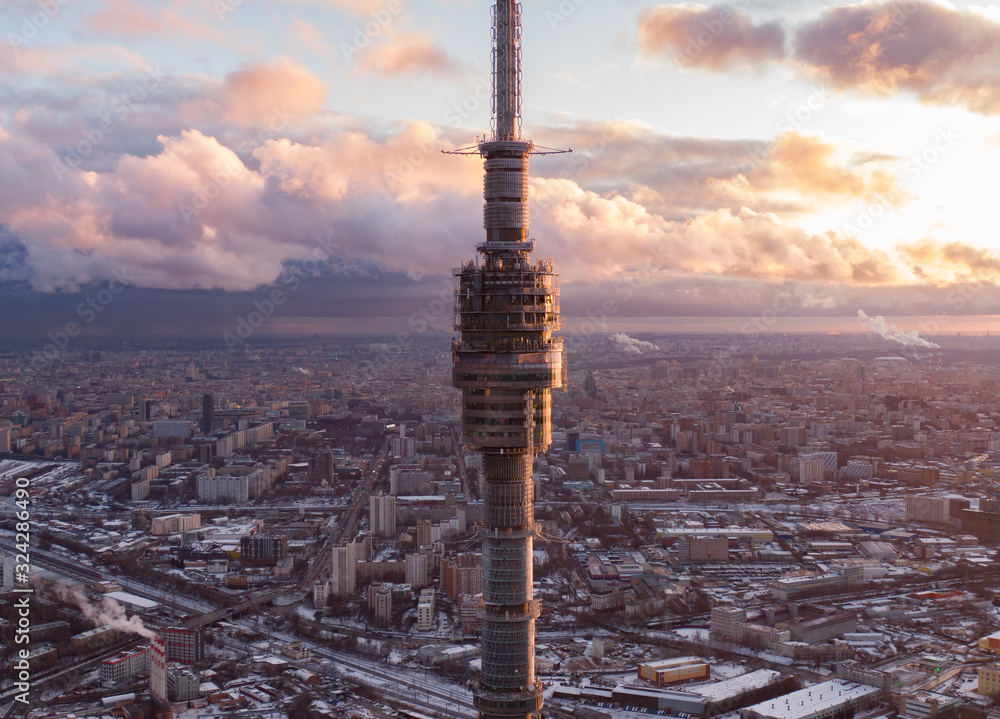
(134, 600)
(672, 662)
(717, 691)
(812, 700)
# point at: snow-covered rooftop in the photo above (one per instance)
(813, 700)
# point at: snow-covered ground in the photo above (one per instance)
(727, 670)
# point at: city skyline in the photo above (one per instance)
(203, 155)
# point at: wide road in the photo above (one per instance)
(348, 524)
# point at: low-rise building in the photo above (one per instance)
(830, 700)
(664, 672)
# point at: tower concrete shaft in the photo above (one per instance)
(506, 362)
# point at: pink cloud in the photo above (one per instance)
(715, 38)
(132, 19)
(945, 56)
(406, 53)
(253, 95)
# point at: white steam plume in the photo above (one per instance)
(106, 611)
(879, 326)
(630, 345)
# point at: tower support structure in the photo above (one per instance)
(506, 362)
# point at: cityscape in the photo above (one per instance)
(705, 424)
(721, 522)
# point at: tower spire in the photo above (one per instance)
(506, 70)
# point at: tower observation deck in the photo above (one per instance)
(506, 362)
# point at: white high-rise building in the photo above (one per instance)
(343, 571)
(383, 515)
(416, 570)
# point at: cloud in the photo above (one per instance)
(65, 62)
(715, 38)
(826, 303)
(678, 177)
(251, 95)
(951, 262)
(197, 215)
(131, 19)
(802, 172)
(407, 53)
(185, 193)
(359, 7)
(194, 215)
(879, 326)
(740, 243)
(944, 55)
(310, 36)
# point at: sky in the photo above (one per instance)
(780, 158)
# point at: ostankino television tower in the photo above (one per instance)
(506, 362)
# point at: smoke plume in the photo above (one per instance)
(630, 345)
(106, 611)
(879, 326)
